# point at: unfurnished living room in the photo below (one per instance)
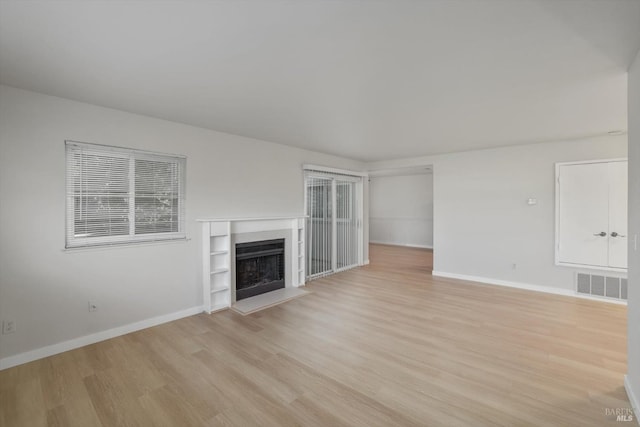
(319, 213)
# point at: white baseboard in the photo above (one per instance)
(71, 344)
(527, 286)
(633, 399)
(406, 245)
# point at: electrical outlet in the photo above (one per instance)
(8, 326)
(514, 266)
(93, 306)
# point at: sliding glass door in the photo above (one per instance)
(334, 223)
(319, 226)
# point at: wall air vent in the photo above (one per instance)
(601, 286)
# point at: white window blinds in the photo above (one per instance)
(117, 195)
(334, 222)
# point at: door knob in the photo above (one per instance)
(614, 234)
(602, 234)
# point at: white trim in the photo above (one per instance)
(633, 399)
(586, 162)
(317, 168)
(406, 245)
(74, 343)
(527, 286)
(366, 262)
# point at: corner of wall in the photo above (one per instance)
(632, 379)
(633, 398)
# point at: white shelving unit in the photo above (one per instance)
(300, 234)
(216, 266)
(217, 251)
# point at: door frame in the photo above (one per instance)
(345, 175)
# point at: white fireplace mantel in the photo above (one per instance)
(249, 225)
(218, 249)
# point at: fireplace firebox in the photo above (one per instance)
(259, 267)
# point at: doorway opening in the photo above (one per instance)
(401, 214)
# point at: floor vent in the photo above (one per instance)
(602, 286)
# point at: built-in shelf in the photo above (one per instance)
(300, 235)
(217, 254)
(216, 239)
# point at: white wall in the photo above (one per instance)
(482, 223)
(46, 289)
(401, 210)
(633, 307)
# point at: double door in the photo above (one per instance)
(334, 223)
(592, 214)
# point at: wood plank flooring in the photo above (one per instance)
(383, 345)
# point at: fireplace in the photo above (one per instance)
(259, 267)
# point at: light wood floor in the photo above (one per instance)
(383, 345)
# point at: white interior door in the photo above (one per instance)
(618, 184)
(584, 214)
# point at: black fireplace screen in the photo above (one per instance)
(259, 267)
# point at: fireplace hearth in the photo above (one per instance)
(259, 267)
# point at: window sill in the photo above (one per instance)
(108, 246)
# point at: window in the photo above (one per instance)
(117, 195)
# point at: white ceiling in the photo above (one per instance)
(402, 171)
(369, 80)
